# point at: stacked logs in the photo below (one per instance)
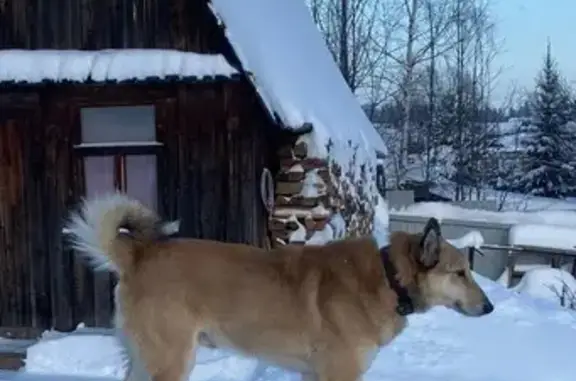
(305, 198)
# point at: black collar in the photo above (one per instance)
(405, 304)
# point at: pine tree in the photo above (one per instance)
(548, 169)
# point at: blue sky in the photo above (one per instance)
(525, 26)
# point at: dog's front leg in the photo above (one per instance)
(340, 367)
(136, 371)
(309, 376)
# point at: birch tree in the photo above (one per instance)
(350, 28)
(414, 44)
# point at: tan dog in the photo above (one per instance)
(321, 310)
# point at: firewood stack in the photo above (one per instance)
(305, 198)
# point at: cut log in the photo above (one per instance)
(281, 235)
(289, 188)
(313, 224)
(324, 174)
(298, 201)
(307, 163)
(277, 224)
(290, 176)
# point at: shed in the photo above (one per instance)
(229, 116)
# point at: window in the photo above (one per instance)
(123, 124)
(119, 150)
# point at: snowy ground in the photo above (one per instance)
(524, 339)
(443, 210)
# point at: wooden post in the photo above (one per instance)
(510, 265)
(471, 251)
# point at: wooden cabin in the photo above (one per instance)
(153, 98)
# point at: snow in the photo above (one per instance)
(298, 235)
(522, 202)
(506, 201)
(296, 168)
(297, 78)
(381, 223)
(442, 211)
(511, 135)
(313, 185)
(36, 66)
(557, 237)
(320, 237)
(338, 226)
(471, 239)
(525, 267)
(524, 339)
(80, 359)
(318, 211)
(270, 37)
(548, 284)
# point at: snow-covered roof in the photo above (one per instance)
(36, 66)
(294, 72)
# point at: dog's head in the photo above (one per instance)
(443, 275)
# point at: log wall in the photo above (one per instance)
(216, 144)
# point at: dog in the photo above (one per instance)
(321, 310)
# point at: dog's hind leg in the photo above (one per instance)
(166, 349)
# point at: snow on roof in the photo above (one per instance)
(471, 239)
(294, 71)
(437, 346)
(540, 235)
(36, 66)
(381, 231)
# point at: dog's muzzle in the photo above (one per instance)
(484, 308)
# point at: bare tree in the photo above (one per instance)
(439, 19)
(414, 44)
(430, 63)
(474, 135)
(349, 28)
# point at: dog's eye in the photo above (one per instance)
(461, 273)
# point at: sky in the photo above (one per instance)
(524, 27)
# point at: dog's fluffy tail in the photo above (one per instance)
(109, 229)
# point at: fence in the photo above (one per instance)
(493, 264)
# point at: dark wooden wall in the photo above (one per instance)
(99, 24)
(223, 142)
(217, 141)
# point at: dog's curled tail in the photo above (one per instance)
(108, 230)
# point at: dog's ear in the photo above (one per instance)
(429, 254)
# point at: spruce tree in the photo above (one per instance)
(548, 165)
